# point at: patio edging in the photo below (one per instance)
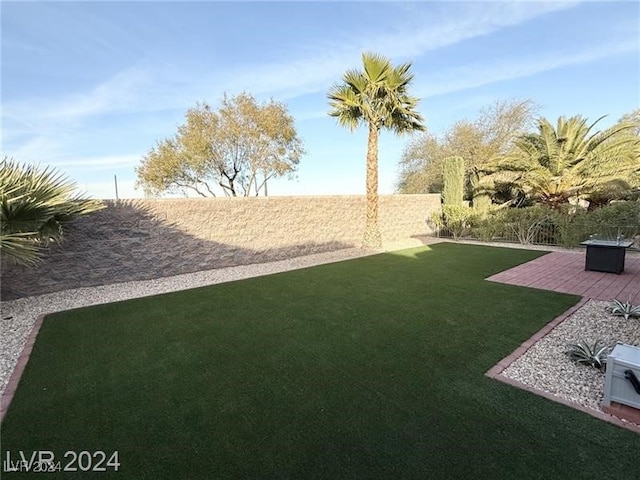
(18, 370)
(495, 373)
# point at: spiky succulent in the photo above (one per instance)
(624, 309)
(593, 355)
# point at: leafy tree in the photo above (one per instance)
(477, 141)
(239, 148)
(568, 161)
(34, 206)
(376, 96)
(421, 165)
(633, 117)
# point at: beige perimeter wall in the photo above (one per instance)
(153, 238)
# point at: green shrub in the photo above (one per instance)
(453, 174)
(488, 226)
(528, 225)
(457, 219)
(481, 204)
(567, 227)
(619, 217)
(572, 226)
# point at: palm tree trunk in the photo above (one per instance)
(372, 237)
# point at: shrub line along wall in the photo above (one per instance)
(154, 238)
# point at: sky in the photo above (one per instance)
(89, 87)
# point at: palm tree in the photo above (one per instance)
(34, 205)
(376, 96)
(556, 164)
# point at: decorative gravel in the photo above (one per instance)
(546, 367)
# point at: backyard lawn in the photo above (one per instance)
(369, 368)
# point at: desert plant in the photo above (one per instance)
(528, 224)
(376, 96)
(572, 226)
(453, 174)
(569, 160)
(624, 309)
(592, 355)
(35, 204)
(457, 219)
(619, 217)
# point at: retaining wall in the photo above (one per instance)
(153, 238)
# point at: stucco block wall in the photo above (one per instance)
(153, 238)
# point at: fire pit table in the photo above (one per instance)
(605, 255)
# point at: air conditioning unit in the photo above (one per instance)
(622, 380)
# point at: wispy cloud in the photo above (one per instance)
(47, 124)
(117, 93)
(143, 87)
(479, 74)
(315, 70)
(104, 162)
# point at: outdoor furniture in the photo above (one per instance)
(605, 255)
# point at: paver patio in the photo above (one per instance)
(564, 272)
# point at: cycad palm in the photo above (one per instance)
(34, 204)
(376, 96)
(555, 164)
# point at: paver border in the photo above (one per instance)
(495, 372)
(15, 377)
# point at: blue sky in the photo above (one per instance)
(89, 87)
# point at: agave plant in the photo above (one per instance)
(624, 309)
(592, 355)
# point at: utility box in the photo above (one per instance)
(622, 380)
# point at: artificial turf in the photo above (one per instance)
(368, 368)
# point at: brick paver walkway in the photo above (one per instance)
(564, 272)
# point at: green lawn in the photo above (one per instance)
(370, 368)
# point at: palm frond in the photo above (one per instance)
(21, 248)
(376, 95)
(34, 204)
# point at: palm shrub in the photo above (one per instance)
(34, 205)
(568, 160)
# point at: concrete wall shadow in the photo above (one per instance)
(155, 238)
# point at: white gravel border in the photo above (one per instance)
(546, 367)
